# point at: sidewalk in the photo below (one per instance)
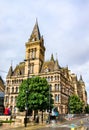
(21, 127)
(34, 126)
(30, 126)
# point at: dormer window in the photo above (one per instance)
(33, 40)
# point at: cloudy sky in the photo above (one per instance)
(63, 23)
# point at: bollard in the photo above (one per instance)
(72, 126)
(81, 122)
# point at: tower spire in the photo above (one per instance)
(52, 57)
(10, 72)
(11, 62)
(56, 66)
(36, 21)
(81, 79)
(35, 36)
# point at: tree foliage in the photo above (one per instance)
(87, 109)
(37, 89)
(75, 105)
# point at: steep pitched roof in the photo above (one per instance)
(35, 33)
(56, 65)
(1, 80)
(10, 72)
(19, 69)
(48, 66)
(51, 65)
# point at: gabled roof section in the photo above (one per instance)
(48, 66)
(19, 69)
(10, 72)
(35, 36)
(51, 65)
(1, 80)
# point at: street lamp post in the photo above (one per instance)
(49, 104)
(26, 109)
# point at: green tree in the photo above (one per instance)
(38, 95)
(87, 108)
(75, 105)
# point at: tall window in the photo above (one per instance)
(48, 78)
(32, 53)
(55, 77)
(7, 89)
(51, 78)
(31, 68)
(6, 99)
(16, 89)
(56, 87)
(12, 89)
(11, 98)
(50, 87)
(56, 97)
(15, 98)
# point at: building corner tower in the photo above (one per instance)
(35, 52)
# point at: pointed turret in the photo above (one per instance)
(35, 36)
(10, 72)
(52, 58)
(56, 65)
(81, 80)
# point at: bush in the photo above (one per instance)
(0, 123)
(6, 121)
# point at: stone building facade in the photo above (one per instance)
(62, 82)
(2, 85)
(2, 89)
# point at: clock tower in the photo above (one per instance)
(35, 52)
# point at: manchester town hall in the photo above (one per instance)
(62, 82)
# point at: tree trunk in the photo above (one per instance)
(42, 116)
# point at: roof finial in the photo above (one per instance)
(36, 21)
(81, 78)
(11, 62)
(10, 72)
(35, 33)
(56, 55)
(52, 57)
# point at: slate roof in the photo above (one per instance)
(35, 33)
(19, 69)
